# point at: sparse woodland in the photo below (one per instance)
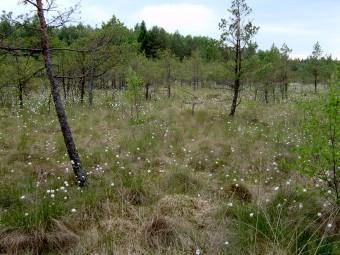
(139, 141)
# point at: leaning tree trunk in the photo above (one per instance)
(67, 134)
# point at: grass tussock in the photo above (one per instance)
(57, 238)
(240, 192)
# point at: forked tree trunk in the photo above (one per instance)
(66, 131)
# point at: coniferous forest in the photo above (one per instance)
(119, 140)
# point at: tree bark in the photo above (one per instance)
(66, 131)
(193, 109)
(91, 86)
(92, 73)
(316, 83)
(168, 80)
(20, 86)
(21, 96)
(64, 88)
(237, 82)
(68, 88)
(113, 87)
(286, 81)
(147, 94)
(266, 94)
(82, 89)
(82, 80)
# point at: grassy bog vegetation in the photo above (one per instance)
(179, 145)
(171, 182)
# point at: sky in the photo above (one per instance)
(298, 23)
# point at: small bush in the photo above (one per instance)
(159, 232)
(239, 192)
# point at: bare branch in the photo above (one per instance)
(37, 50)
(31, 2)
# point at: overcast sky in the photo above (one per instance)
(299, 23)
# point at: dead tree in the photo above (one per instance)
(65, 128)
(193, 104)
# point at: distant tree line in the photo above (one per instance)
(102, 56)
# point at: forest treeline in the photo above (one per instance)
(87, 58)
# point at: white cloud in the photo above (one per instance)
(286, 29)
(186, 18)
(95, 15)
(300, 38)
(299, 55)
